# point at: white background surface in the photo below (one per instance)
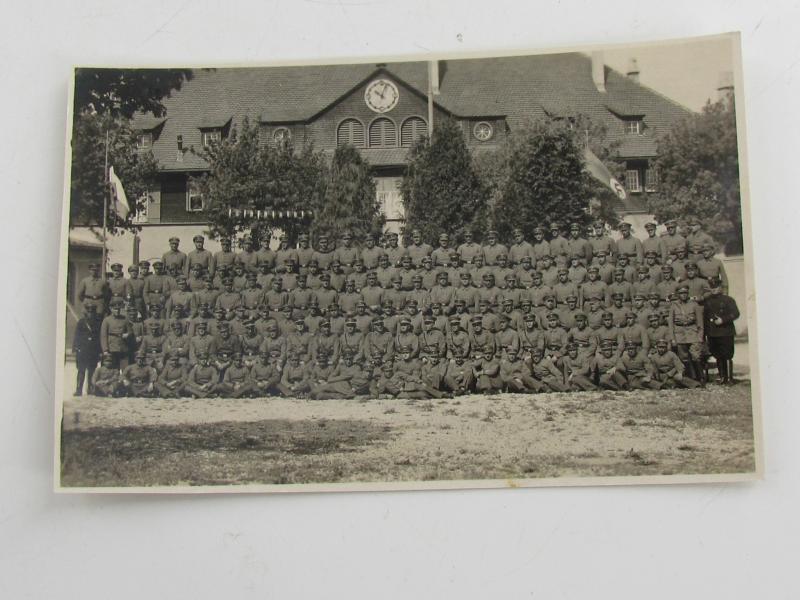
(714, 541)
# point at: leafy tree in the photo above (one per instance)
(123, 92)
(541, 178)
(698, 165)
(441, 189)
(88, 187)
(349, 202)
(247, 175)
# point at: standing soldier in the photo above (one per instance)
(225, 257)
(541, 247)
(199, 256)
(115, 333)
(174, 258)
(135, 289)
(711, 267)
(346, 253)
(519, 249)
(469, 250)
(441, 255)
(630, 246)
(672, 240)
(654, 243)
(93, 290)
(559, 247)
(579, 246)
(602, 242)
(323, 253)
(418, 249)
(304, 252)
(371, 253)
(696, 235)
(720, 311)
(158, 287)
(492, 249)
(117, 285)
(687, 332)
(86, 348)
(247, 257)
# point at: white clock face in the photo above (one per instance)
(483, 131)
(381, 95)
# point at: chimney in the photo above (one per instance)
(633, 70)
(599, 71)
(725, 85)
(179, 155)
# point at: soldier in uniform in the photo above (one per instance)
(577, 369)
(709, 266)
(545, 373)
(172, 378)
(486, 371)
(515, 375)
(225, 257)
(236, 381)
(669, 368)
(158, 286)
(392, 250)
(654, 244)
(441, 255)
(630, 246)
(199, 256)
(638, 369)
(672, 241)
(93, 290)
(106, 379)
(173, 258)
(606, 364)
(139, 379)
(686, 326)
(492, 249)
(458, 375)
(248, 258)
(266, 374)
(304, 253)
(115, 334)
(86, 347)
(117, 285)
(264, 256)
(578, 246)
(519, 249)
(370, 253)
(203, 378)
(417, 249)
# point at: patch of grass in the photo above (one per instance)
(628, 423)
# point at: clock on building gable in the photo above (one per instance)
(381, 95)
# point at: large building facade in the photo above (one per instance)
(381, 109)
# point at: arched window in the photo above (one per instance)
(350, 131)
(412, 128)
(382, 133)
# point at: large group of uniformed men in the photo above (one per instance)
(573, 309)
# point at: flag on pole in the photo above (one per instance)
(600, 172)
(121, 206)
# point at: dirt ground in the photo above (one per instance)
(141, 442)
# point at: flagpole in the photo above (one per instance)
(105, 208)
(430, 101)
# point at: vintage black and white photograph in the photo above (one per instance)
(483, 271)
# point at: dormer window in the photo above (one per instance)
(634, 127)
(144, 140)
(211, 136)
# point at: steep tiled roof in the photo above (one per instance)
(519, 88)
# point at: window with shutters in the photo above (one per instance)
(351, 131)
(382, 133)
(633, 181)
(411, 129)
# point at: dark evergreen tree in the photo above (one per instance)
(349, 202)
(441, 189)
(542, 179)
(698, 166)
(252, 186)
